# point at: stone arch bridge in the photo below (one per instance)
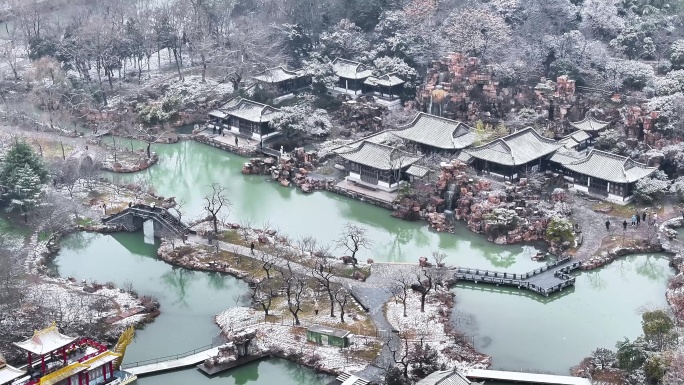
(165, 224)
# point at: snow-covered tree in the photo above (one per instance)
(477, 31)
(322, 74)
(634, 42)
(393, 37)
(601, 17)
(560, 230)
(671, 108)
(25, 189)
(301, 120)
(345, 40)
(18, 156)
(648, 190)
(669, 84)
(677, 54)
(677, 188)
(628, 73)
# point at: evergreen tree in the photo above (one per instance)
(395, 376)
(25, 190)
(424, 360)
(20, 155)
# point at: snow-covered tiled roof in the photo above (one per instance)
(515, 149)
(418, 171)
(278, 74)
(610, 167)
(248, 110)
(378, 156)
(589, 123)
(9, 373)
(574, 139)
(45, 341)
(438, 132)
(566, 155)
(444, 377)
(350, 69)
(387, 80)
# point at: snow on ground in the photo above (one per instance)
(290, 340)
(66, 302)
(430, 326)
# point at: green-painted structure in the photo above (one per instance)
(325, 335)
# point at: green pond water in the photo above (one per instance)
(519, 332)
(189, 300)
(187, 169)
(552, 334)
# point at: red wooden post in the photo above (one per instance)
(104, 372)
(29, 359)
(87, 379)
(42, 363)
(80, 379)
(111, 369)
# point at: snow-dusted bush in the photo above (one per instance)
(301, 120)
(385, 65)
(500, 221)
(345, 39)
(560, 230)
(677, 54)
(671, 109)
(648, 190)
(677, 188)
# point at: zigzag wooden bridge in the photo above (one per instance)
(544, 280)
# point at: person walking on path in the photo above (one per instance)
(634, 220)
(251, 248)
(638, 216)
(655, 218)
(643, 217)
(607, 225)
(624, 225)
(236, 142)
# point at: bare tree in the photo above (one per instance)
(399, 350)
(353, 238)
(267, 262)
(342, 297)
(141, 186)
(402, 288)
(69, 173)
(294, 289)
(245, 227)
(216, 202)
(439, 258)
(425, 285)
(262, 293)
(323, 273)
(178, 209)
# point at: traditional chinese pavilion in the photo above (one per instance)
(57, 359)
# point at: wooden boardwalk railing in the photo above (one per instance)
(544, 280)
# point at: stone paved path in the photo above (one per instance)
(593, 225)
